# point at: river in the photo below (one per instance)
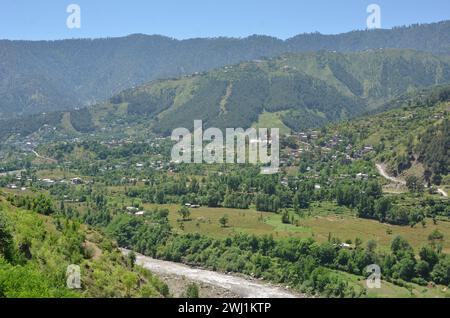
(241, 286)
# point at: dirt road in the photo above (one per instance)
(42, 157)
(382, 171)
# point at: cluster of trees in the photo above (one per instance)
(82, 121)
(40, 204)
(141, 234)
(142, 102)
(433, 151)
(12, 164)
(237, 200)
(267, 203)
(369, 203)
(237, 189)
(436, 208)
(103, 152)
(432, 265)
(414, 184)
(27, 125)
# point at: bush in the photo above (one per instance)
(192, 291)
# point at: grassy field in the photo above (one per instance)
(321, 221)
(272, 120)
(56, 174)
(328, 218)
(389, 290)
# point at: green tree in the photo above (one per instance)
(185, 213)
(43, 205)
(285, 217)
(436, 238)
(223, 221)
(429, 255)
(441, 272)
(400, 247)
(6, 238)
(301, 200)
(131, 258)
(371, 246)
(130, 281)
(192, 291)
(414, 184)
(382, 207)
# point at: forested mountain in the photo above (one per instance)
(44, 76)
(307, 89)
(302, 90)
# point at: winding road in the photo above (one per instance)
(42, 157)
(382, 171)
(244, 287)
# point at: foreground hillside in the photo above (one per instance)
(44, 76)
(292, 92)
(36, 250)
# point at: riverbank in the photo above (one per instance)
(218, 284)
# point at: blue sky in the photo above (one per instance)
(46, 19)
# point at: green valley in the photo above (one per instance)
(95, 201)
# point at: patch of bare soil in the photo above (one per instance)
(178, 285)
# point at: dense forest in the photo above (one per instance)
(433, 151)
(304, 90)
(101, 68)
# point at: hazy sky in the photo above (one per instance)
(46, 19)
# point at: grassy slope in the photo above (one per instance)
(104, 271)
(389, 290)
(272, 120)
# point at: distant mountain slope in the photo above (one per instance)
(59, 75)
(310, 89)
(412, 138)
(301, 90)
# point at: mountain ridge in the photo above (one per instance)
(297, 91)
(41, 76)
